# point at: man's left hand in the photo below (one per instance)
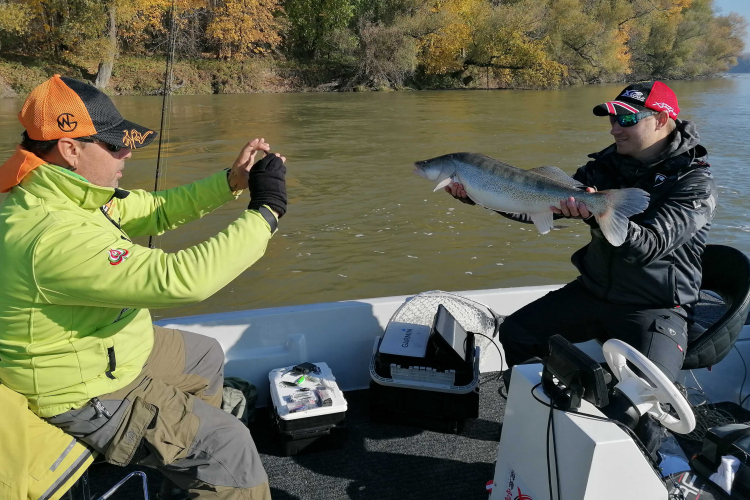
(239, 173)
(573, 208)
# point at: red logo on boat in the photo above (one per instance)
(522, 496)
(117, 255)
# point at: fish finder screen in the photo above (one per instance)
(452, 332)
(576, 370)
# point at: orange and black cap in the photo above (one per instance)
(64, 107)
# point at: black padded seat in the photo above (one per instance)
(726, 272)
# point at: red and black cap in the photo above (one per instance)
(64, 107)
(639, 97)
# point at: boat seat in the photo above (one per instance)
(726, 273)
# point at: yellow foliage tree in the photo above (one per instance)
(242, 27)
(444, 50)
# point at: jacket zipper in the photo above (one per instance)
(110, 219)
(610, 265)
(111, 350)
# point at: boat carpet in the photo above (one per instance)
(376, 461)
(382, 461)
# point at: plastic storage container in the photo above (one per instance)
(308, 410)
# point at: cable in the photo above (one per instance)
(744, 377)
(502, 362)
(628, 430)
(551, 426)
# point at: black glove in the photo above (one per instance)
(268, 184)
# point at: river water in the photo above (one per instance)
(361, 224)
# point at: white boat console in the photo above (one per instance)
(595, 459)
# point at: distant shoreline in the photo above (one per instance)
(144, 76)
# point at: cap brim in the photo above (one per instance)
(617, 108)
(127, 135)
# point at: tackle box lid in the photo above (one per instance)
(281, 394)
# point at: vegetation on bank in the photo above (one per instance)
(240, 46)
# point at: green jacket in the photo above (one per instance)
(74, 319)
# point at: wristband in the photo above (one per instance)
(270, 218)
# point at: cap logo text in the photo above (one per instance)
(634, 94)
(65, 123)
(665, 106)
(130, 137)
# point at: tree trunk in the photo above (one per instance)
(106, 66)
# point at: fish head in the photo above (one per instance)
(436, 169)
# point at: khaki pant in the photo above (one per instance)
(169, 418)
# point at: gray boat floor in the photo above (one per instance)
(375, 461)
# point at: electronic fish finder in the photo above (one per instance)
(426, 374)
(578, 376)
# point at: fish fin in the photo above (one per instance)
(556, 174)
(443, 183)
(621, 205)
(542, 221)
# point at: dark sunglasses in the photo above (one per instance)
(92, 140)
(630, 120)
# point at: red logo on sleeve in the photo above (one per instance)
(117, 255)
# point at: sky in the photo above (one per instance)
(741, 7)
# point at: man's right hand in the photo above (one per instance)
(458, 192)
(268, 184)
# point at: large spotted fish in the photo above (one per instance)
(499, 186)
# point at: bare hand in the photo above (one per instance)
(458, 192)
(239, 173)
(572, 208)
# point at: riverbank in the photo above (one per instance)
(143, 76)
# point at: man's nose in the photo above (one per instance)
(126, 153)
(616, 129)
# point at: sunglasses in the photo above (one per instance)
(92, 140)
(630, 120)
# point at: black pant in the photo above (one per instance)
(574, 313)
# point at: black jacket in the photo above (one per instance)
(659, 264)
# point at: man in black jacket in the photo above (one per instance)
(643, 291)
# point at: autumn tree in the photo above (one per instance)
(242, 27)
(588, 39)
(15, 18)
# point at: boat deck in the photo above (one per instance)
(383, 461)
(377, 460)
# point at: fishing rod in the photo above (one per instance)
(166, 91)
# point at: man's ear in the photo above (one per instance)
(662, 119)
(69, 152)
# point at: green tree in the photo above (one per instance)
(312, 22)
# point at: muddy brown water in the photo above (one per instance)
(361, 224)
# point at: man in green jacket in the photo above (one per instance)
(76, 336)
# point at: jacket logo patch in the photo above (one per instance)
(659, 180)
(65, 123)
(117, 255)
(130, 137)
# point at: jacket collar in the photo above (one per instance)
(47, 182)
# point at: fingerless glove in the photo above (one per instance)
(268, 184)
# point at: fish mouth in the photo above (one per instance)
(418, 169)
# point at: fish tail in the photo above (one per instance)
(621, 204)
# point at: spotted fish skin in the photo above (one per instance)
(500, 186)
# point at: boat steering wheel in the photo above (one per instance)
(647, 394)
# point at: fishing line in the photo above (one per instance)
(165, 105)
